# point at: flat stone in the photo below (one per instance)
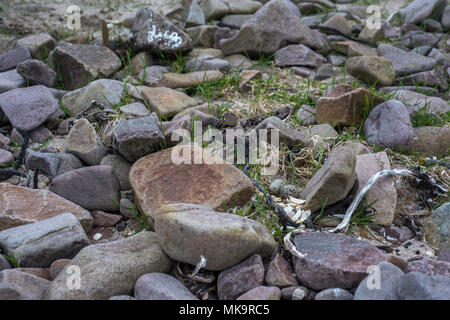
(157, 180)
(136, 109)
(223, 239)
(84, 143)
(236, 19)
(429, 267)
(415, 102)
(154, 33)
(431, 141)
(409, 63)
(298, 55)
(382, 194)
(206, 63)
(18, 285)
(191, 79)
(418, 10)
(371, 69)
(386, 289)
(38, 244)
(332, 182)
(241, 278)
(11, 80)
(262, 293)
(104, 219)
(11, 58)
(37, 72)
(39, 44)
(80, 64)
(121, 168)
(152, 77)
(354, 49)
(52, 164)
(334, 294)
(389, 125)
(280, 273)
(160, 286)
(345, 105)
(437, 229)
(419, 286)
(80, 185)
(333, 260)
(28, 108)
(136, 138)
(203, 36)
(195, 15)
(271, 28)
(340, 23)
(239, 61)
(429, 78)
(111, 269)
(103, 91)
(216, 9)
(306, 114)
(167, 102)
(20, 205)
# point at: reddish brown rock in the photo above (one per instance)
(156, 180)
(104, 219)
(430, 267)
(19, 206)
(280, 273)
(334, 260)
(57, 266)
(346, 105)
(43, 273)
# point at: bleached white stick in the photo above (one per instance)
(348, 214)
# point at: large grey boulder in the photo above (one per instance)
(419, 286)
(38, 244)
(19, 285)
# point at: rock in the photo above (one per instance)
(28, 108)
(236, 19)
(200, 53)
(195, 15)
(382, 194)
(409, 63)
(325, 132)
(280, 273)
(103, 91)
(332, 182)
(156, 180)
(431, 141)
(401, 234)
(262, 293)
(371, 69)
(239, 61)
(135, 109)
(415, 102)
(334, 294)
(333, 260)
(121, 168)
(80, 64)
(306, 115)
(397, 261)
(389, 125)
(216, 9)
(431, 25)
(424, 78)
(203, 36)
(418, 10)
(223, 239)
(141, 61)
(154, 33)
(354, 49)
(52, 164)
(192, 79)
(346, 105)
(388, 276)
(160, 286)
(429, 267)
(446, 19)
(167, 102)
(336, 60)
(111, 269)
(39, 45)
(294, 293)
(419, 286)
(11, 80)
(19, 206)
(372, 35)
(152, 77)
(324, 71)
(271, 28)
(57, 266)
(436, 229)
(84, 143)
(5, 157)
(122, 297)
(339, 22)
(4, 141)
(206, 63)
(11, 58)
(18, 285)
(79, 185)
(37, 72)
(104, 219)
(136, 138)
(127, 208)
(246, 77)
(40, 134)
(241, 278)
(4, 264)
(298, 55)
(444, 255)
(38, 244)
